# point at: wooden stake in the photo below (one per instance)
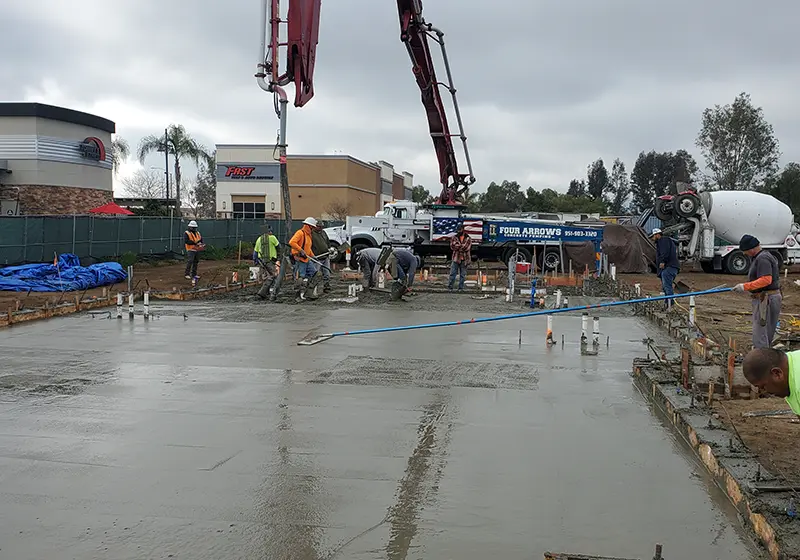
(710, 392)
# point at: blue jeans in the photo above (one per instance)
(304, 269)
(461, 270)
(667, 279)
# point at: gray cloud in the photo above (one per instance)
(545, 86)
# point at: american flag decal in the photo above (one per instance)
(445, 228)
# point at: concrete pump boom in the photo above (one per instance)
(302, 22)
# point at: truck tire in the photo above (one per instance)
(736, 262)
(356, 247)
(686, 205)
(778, 257)
(336, 255)
(708, 267)
(524, 254)
(551, 260)
(663, 209)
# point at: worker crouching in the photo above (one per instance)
(300, 244)
(402, 265)
(367, 260)
(765, 290)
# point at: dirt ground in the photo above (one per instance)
(164, 276)
(722, 317)
(773, 439)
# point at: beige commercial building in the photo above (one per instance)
(53, 160)
(324, 186)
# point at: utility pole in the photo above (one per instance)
(166, 161)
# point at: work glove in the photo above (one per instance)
(739, 288)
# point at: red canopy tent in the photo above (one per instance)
(111, 208)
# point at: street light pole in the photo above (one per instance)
(166, 162)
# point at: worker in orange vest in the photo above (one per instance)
(193, 242)
(300, 244)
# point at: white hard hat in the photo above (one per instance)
(192, 224)
(310, 221)
(655, 231)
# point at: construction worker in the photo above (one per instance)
(461, 245)
(402, 265)
(775, 372)
(193, 243)
(765, 289)
(265, 254)
(321, 246)
(666, 261)
(366, 260)
(300, 244)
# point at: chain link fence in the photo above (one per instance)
(34, 239)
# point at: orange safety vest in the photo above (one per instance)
(193, 237)
(301, 238)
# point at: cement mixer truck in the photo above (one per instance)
(708, 226)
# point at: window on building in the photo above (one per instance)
(249, 210)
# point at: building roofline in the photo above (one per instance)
(307, 156)
(53, 113)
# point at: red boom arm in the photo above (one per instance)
(414, 32)
(302, 36)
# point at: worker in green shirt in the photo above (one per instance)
(775, 372)
(265, 254)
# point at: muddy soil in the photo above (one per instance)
(164, 276)
(774, 440)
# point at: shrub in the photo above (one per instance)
(127, 259)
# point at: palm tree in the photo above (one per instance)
(120, 151)
(180, 144)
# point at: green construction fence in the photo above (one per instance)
(35, 239)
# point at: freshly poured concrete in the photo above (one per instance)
(204, 438)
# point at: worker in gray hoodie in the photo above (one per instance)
(367, 259)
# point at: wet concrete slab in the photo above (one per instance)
(202, 437)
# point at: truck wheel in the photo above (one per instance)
(356, 247)
(551, 260)
(736, 263)
(524, 254)
(336, 256)
(778, 256)
(708, 267)
(663, 209)
(686, 205)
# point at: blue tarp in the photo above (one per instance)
(68, 276)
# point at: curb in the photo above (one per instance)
(758, 496)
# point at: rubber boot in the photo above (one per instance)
(263, 293)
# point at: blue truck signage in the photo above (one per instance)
(527, 232)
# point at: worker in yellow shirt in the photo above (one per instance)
(265, 254)
(775, 372)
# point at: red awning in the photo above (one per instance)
(111, 208)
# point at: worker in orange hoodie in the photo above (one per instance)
(764, 287)
(300, 244)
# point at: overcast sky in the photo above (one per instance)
(545, 86)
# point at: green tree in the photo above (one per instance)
(786, 187)
(577, 188)
(657, 173)
(739, 145)
(505, 197)
(203, 194)
(180, 145)
(120, 152)
(421, 195)
(549, 200)
(620, 187)
(597, 180)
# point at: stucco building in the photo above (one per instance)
(53, 160)
(248, 183)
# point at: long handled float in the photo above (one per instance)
(315, 339)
